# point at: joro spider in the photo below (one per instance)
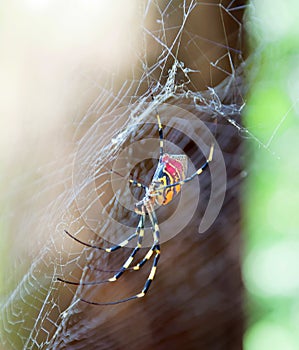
(169, 175)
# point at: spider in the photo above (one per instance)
(167, 180)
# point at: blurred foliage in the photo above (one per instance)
(271, 263)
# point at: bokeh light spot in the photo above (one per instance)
(273, 270)
(269, 336)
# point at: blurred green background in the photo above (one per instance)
(271, 262)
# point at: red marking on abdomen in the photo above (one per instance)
(174, 168)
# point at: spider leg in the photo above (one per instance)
(155, 248)
(145, 287)
(140, 233)
(129, 260)
(110, 249)
(136, 267)
(132, 268)
(198, 172)
(155, 227)
(131, 181)
(160, 128)
(138, 184)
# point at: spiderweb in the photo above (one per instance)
(188, 67)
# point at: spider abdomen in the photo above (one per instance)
(171, 169)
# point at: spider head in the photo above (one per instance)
(155, 185)
(156, 191)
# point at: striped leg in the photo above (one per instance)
(198, 172)
(160, 131)
(145, 259)
(137, 184)
(155, 248)
(145, 287)
(141, 263)
(136, 267)
(139, 245)
(110, 249)
(131, 181)
(129, 261)
(139, 232)
(155, 227)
